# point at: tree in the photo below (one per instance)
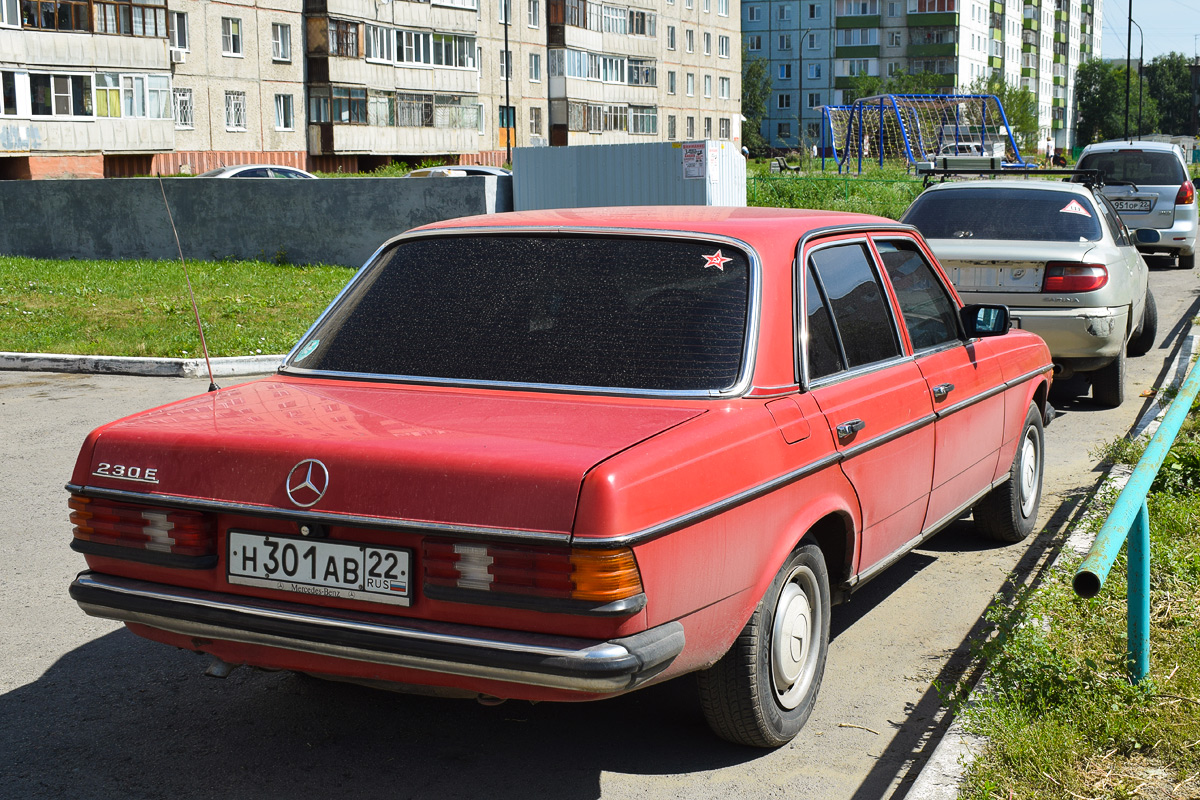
(1100, 103)
(1168, 81)
(756, 92)
(1020, 108)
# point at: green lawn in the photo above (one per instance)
(141, 308)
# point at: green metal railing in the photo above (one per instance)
(1130, 520)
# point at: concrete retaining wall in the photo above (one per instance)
(326, 221)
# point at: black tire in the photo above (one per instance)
(762, 691)
(1108, 383)
(1144, 339)
(1009, 512)
(1187, 262)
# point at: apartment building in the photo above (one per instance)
(113, 87)
(816, 48)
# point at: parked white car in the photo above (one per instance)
(1149, 186)
(1058, 256)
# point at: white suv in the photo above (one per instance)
(1148, 184)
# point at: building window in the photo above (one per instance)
(708, 44)
(55, 16)
(108, 94)
(723, 128)
(783, 130)
(708, 127)
(281, 41)
(535, 120)
(318, 105)
(723, 88)
(785, 12)
(643, 119)
(892, 68)
(146, 18)
(231, 36)
(671, 126)
(505, 12)
(534, 14)
(689, 38)
(785, 72)
(754, 42)
(753, 13)
(814, 70)
(814, 99)
(348, 106)
(723, 47)
(642, 72)
(10, 14)
(671, 81)
(893, 10)
(814, 11)
(343, 38)
(785, 41)
(722, 8)
(812, 41)
(643, 23)
(184, 114)
(59, 95)
(688, 4)
(506, 65)
(284, 121)
(691, 128)
(379, 43)
(854, 37)
(783, 101)
(535, 67)
(706, 6)
(691, 84)
(894, 38)
(708, 85)
(235, 111)
(670, 37)
(179, 30)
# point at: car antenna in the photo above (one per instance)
(212, 384)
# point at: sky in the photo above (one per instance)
(1169, 25)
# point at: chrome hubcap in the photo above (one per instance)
(794, 637)
(1028, 472)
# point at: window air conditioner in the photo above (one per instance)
(178, 56)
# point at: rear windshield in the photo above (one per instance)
(1137, 166)
(1016, 214)
(620, 312)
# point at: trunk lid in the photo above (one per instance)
(454, 456)
(999, 267)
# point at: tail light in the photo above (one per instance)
(104, 524)
(594, 577)
(1070, 276)
(1186, 194)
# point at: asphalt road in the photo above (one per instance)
(89, 710)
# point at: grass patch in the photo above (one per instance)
(885, 191)
(1060, 716)
(141, 308)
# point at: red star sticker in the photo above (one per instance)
(716, 260)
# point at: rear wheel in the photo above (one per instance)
(1009, 512)
(1143, 340)
(762, 691)
(1187, 262)
(1108, 383)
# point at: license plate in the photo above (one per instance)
(1132, 205)
(320, 568)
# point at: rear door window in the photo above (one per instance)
(850, 293)
(1008, 213)
(634, 313)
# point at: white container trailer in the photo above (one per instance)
(704, 173)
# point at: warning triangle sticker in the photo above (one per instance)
(1074, 207)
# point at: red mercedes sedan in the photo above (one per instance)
(560, 455)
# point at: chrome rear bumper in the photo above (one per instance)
(524, 658)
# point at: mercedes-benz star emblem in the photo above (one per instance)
(307, 482)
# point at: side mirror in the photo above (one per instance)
(1147, 236)
(985, 320)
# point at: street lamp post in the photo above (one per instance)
(1128, 58)
(1141, 59)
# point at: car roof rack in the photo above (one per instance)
(1091, 178)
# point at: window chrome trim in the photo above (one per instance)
(740, 386)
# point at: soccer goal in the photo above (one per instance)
(917, 127)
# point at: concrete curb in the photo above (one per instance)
(939, 779)
(153, 367)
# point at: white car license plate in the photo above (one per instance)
(320, 567)
(1131, 205)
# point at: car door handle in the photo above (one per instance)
(846, 430)
(942, 391)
